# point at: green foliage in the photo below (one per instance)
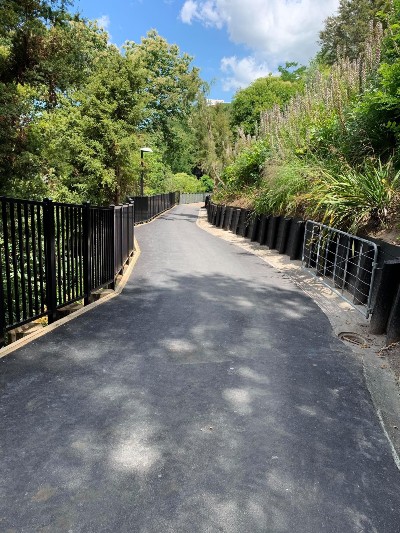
(75, 111)
(183, 182)
(212, 138)
(292, 72)
(353, 199)
(284, 188)
(261, 95)
(333, 151)
(45, 55)
(347, 32)
(90, 139)
(207, 183)
(170, 83)
(246, 170)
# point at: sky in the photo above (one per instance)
(232, 42)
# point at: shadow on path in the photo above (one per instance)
(195, 401)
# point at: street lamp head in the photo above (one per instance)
(142, 150)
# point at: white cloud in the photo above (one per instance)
(241, 72)
(103, 22)
(274, 30)
(206, 12)
(188, 11)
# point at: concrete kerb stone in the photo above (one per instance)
(380, 379)
(7, 350)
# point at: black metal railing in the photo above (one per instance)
(101, 243)
(53, 254)
(23, 261)
(148, 207)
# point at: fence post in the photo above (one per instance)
(385, 296)
(112, 251)
(132, 226)
(2, 307)
(87, 252)
(50, 259)
(121, 233)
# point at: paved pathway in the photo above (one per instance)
(210, 396)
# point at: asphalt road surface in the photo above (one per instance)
(210, 396)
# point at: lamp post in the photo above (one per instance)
(142, 150)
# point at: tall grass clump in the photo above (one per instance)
(303, 126)
(285, 188)
(354, 199)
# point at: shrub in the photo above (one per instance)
(353, 199)
(183, 182)
(246, 170)
(284, 188)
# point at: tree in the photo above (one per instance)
(91, 141)
(44, 53)
(185, 183)
(261, 95)
(347, 32)
(74, 110)
(171, 88)
(214, 138)
(171, 85)
(292, 72)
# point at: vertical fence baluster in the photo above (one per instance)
(81, 289)
(68, 251)
(14, 255)
(112, 242)
(20, 225)
(34, 260)
(40, 220)
(87, 251)
(50, 260)
(28, 260)
(59, 257)
(7, 260)
(3, 322)
(73, 253)
(63, 258)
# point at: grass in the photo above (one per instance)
(353, 199)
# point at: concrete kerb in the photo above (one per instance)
(7, 350)
(380, 379)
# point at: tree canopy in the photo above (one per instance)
(347, 32)
(75, 110)
(262, 94)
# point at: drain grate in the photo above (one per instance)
(354, 338)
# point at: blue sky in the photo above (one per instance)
(233, 42)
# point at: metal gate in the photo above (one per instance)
(193, 198)
(344, 262)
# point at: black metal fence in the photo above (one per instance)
(344, 262)
(54, 254)
(148, 207)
